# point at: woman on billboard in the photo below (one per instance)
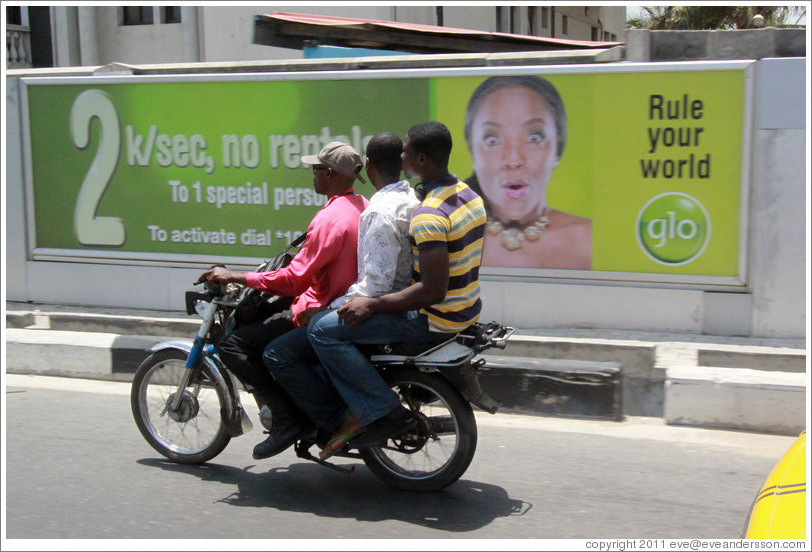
(516, 130)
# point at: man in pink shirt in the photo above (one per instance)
(320, 272)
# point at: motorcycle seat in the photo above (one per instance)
(400, 349)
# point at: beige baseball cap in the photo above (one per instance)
(340, 157)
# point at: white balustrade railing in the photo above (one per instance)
(18, 47)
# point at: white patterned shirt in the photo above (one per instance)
(384, 247)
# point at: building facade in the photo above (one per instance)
(73, 36)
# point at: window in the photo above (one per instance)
(507, 19)
(595, 35)
(564, 20)
(14, 15)
(531, 20)
(136, 15)
(39, 19)
(544, 17)
(170, 14)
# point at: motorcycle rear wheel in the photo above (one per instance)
(194, 432)
(440, 449)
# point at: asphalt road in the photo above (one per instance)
(77, 468)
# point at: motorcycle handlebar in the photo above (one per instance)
(216, 290)
(501, 342)
(485, 336)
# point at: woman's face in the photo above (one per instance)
(513, 145)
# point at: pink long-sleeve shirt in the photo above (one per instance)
(327, 263)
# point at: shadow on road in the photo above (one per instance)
(309, 488)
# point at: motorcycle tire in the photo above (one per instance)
(194, 432)
(440, 449)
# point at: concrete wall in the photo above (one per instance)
(773, 304)
(645, 45)
(14, 219)
(780, 196)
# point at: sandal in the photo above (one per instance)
(349, 429)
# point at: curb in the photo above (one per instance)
(750, 399)
(75, 354)
(568, 388)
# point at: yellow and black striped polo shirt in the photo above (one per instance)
(453, 214)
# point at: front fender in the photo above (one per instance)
(184, 345)
(234, 412)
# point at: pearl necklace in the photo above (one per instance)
(512, 235)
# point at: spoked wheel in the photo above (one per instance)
(192, 433)
(442, 446)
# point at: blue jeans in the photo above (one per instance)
(294, 364)
(356, 380)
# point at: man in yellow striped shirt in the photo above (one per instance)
(451, 219)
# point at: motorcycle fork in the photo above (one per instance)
(186, 377)
(207, 311)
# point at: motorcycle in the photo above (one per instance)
(186, 403)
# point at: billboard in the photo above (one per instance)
(630, 173)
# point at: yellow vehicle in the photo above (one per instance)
(779, 510)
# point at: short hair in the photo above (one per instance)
(433, 139)
(539, 85)
(384, 150)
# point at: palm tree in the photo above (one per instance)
(713, 17)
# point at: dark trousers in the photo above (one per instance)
(241, 351)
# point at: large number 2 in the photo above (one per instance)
(90, 229)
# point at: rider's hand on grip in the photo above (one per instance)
(211, 274)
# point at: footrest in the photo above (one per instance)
(303, 451)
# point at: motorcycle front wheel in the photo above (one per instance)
(192, 433)
(440, 449)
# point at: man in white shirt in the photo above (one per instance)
(384, 266)
(384, 249)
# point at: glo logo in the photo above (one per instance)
(673, 228)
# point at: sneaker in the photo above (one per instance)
(398, 422)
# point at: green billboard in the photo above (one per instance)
(634, 172)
